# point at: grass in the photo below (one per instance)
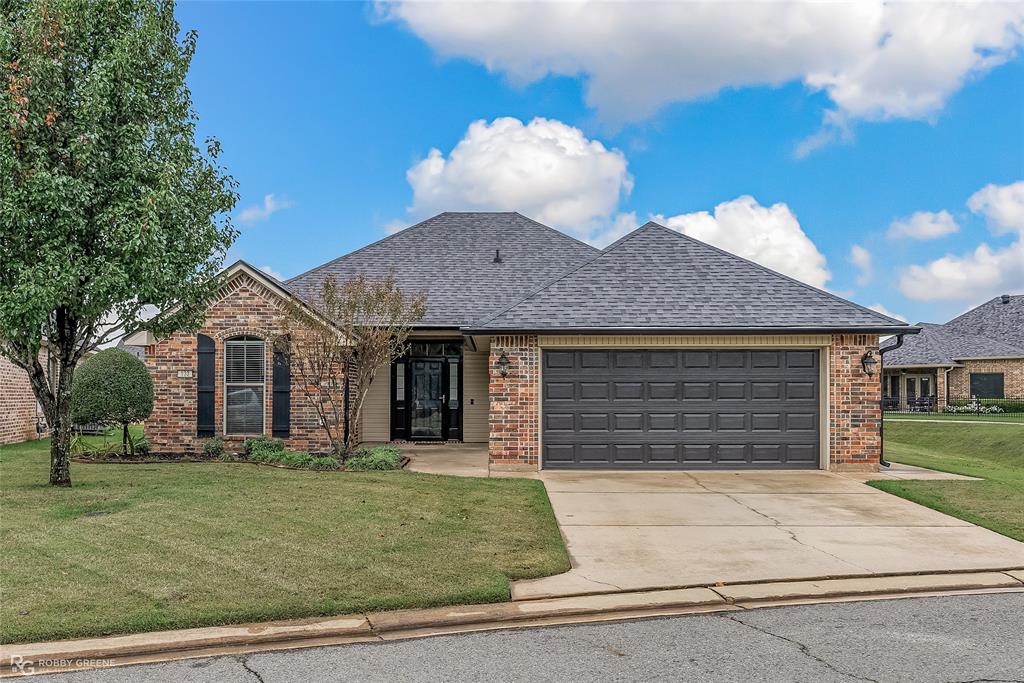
(144, 547)
(1005, 418)
(994, 452)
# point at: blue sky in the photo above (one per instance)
(327, 107)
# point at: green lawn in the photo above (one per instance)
(156, 546)
(1014, 418)
(994, 452)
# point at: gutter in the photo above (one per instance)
(881, 418)
(894, 330)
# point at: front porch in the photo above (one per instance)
(913, 389)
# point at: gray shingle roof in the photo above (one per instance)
(656, 278)
(996, 320)
(991, 330)
(450, 257)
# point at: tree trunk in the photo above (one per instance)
(126, 444)
(60, 446)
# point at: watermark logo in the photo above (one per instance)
(23, 666)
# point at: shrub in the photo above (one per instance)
(142, 447)
(227, 456)
(295, 459)
(112, 387)
(379, 458)
(261, 443)
(213, 448)
(324, 463)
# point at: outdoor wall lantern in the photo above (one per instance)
(503, 364)
(870, 363)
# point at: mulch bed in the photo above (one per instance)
(166, 458)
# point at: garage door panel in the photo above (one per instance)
(665, 409)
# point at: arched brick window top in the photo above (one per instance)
(245, 381)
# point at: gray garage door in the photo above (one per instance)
(676, 409)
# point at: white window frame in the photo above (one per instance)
(262, 385)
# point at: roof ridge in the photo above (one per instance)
(599, 254)
(549, 228)
(776, 273)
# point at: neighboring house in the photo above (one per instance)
(979, 354)
(659, 352)
(21, 417)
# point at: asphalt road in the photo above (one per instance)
(959, 638)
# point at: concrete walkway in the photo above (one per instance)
(643, 530)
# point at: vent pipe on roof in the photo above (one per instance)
(1005, 298)
(497, 256)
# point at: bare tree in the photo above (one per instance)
(337, 345)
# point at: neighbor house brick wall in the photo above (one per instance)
(1013, 376)
(854, 404)
(514, 416)
(17, 404)
(243, 307)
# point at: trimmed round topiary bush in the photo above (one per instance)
(112, 387)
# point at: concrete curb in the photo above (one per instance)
(22, 659)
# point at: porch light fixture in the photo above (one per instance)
(503, 364)
(869, 363)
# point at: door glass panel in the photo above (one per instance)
(399, 382)
(926, 386)
(426, 399)
(911, 387)
(453, 385)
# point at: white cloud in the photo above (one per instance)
(545, 169)
(769, 235)
(861, 258)
(924, 225)
(261, 212)
(1002, 206)
(272, 273)
(985, 271)
(874, 60)
(885, 311)
(396, 225)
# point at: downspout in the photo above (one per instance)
(346, 407)
(881, 421)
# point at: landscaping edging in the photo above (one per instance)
(181, 461)
(204, 642)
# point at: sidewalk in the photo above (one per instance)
(70, 655)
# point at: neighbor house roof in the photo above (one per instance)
(992, 330)
(451, 258)
(656, 279)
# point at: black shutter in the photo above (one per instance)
(281, 404)
(205, 386)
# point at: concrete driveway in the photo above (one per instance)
(639, 530)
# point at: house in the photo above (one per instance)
(20, 415)
(658, 352)
(979, 354)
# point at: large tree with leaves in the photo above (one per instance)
(108, 208)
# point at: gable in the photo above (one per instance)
(658, 279)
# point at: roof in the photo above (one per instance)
(656, 279)
(995, 319)
(450, 258)
(991, 330)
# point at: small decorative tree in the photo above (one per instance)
(112, 387)
(336, 346)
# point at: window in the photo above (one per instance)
(399, 382)
(244, 383)
(893, 386)
(987, 384)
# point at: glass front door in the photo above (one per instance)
(427, 399)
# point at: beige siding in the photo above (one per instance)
(376, 422)
(476, 402)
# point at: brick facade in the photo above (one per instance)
(515, 408)
(855, 410)
(18, 409)
(1013, 376)
(246, 307)
(854, 403)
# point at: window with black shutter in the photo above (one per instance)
(205, 385)
(244, 383)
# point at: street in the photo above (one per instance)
(955, 638)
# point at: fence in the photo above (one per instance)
(1003, 409)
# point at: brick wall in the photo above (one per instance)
(1013, 376)
(514, 416)
(243, 307)
(17, 404)
(854, 404)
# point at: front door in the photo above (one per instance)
(426, 392)
(427, 400)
